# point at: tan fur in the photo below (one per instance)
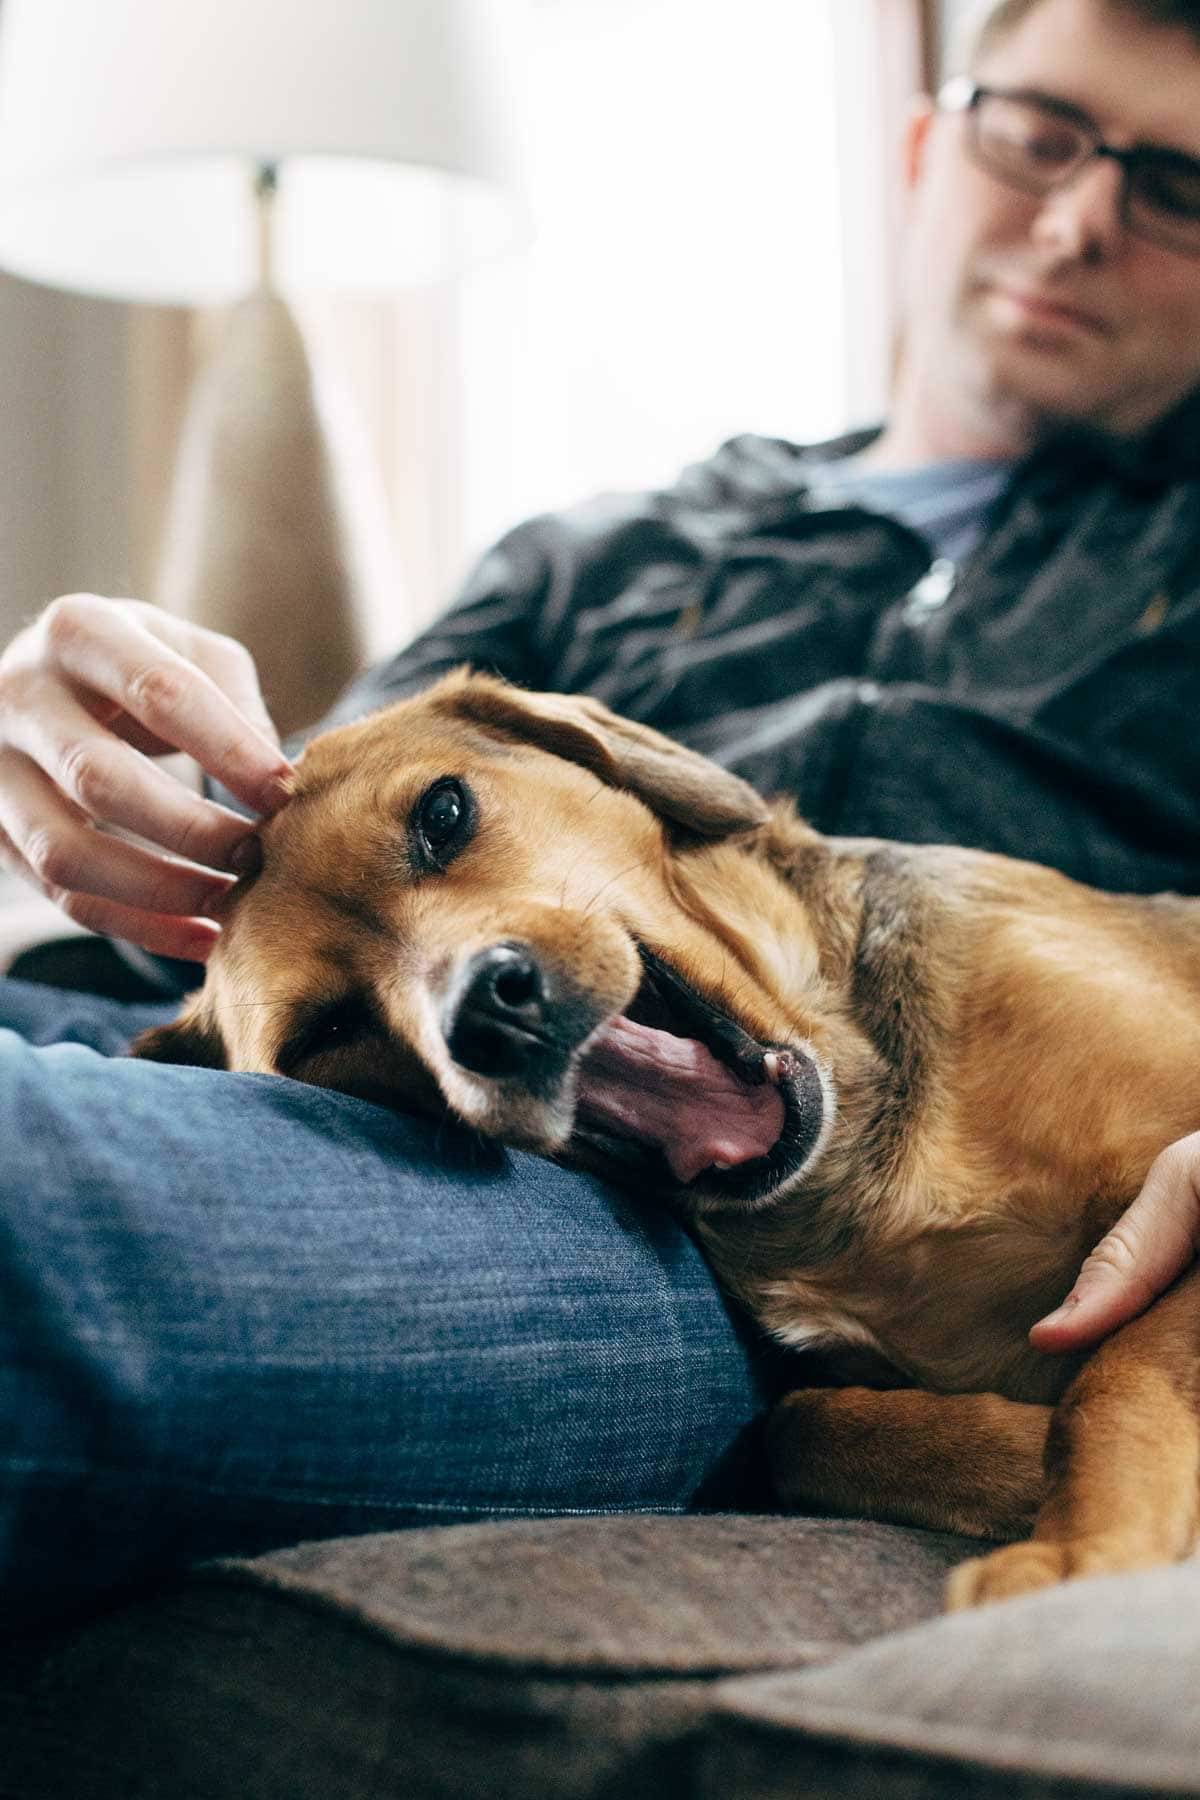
(1003, 1054)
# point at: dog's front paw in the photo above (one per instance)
(1018, 1569)
(1025, 1568)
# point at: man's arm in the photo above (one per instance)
(906, 762)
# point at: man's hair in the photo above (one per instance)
(991, 20)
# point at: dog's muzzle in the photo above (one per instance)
(508, 1018)
(674, 1079)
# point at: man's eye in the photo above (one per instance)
(1051, 148)
(443, 819)
(1170, 188)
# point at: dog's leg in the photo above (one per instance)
(1123, 1462)
(971, 1463)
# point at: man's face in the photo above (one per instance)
(1029, 311)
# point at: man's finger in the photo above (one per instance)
(188, 940)
(1140, 1257)
(171, 698)
(66, 855)
(226, 662)
(114, 785)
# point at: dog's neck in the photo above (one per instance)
(831, 1263)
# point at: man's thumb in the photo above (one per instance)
(1151, 1242)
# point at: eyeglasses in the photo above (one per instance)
(1038, 144)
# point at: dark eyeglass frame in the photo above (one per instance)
(962, 95)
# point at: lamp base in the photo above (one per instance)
(267, 534)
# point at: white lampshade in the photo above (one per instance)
(130, 132)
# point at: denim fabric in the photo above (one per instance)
(236, 1311)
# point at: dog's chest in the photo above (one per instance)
(950, 1312)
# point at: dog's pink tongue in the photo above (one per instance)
(673, 1093)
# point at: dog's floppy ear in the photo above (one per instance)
(191, 1039)
(674, 782)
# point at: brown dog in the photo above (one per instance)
(900, 1092)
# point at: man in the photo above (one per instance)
(237, 1310)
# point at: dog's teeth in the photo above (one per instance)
(777, 1065)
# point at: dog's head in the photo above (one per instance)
(525, 911)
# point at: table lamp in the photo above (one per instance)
(233, 153)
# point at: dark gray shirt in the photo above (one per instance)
(1038, 697)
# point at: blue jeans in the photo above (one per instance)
(236, 1312)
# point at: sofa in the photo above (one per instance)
(731, 1656)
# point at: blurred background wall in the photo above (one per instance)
(64, 463)
(713, 255)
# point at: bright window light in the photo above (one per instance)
(686, 281)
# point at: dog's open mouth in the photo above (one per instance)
(675, 1076)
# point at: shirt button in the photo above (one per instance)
(934, 588)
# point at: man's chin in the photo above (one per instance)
(1033, 390)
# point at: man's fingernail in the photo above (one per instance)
(278, 791)
(246, 856)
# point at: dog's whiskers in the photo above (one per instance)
(612, 880)
(248, 1005)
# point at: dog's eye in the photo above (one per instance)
(442, 820)
(440, 815)
(339, 1025)
(328, 1028)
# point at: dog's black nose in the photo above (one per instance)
(498, 1024)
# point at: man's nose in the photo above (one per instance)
(1082, 221)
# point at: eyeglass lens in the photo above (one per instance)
(1039, 149)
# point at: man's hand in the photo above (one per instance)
(89, 693)
(1146, 1249)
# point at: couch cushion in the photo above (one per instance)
(1087, 1688)
(565, 1657)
